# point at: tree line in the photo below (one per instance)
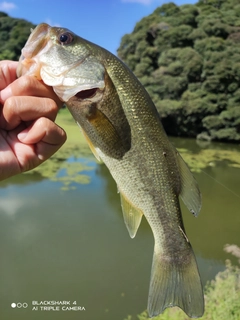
(13, 36)
(188, 59)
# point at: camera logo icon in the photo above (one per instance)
(19, 305)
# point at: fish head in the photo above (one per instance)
(64, 61)
(76, 70)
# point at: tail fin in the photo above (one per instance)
(175, 282)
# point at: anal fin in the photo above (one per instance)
(131, 214)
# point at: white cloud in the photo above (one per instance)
(7, 6)
(51, 23)
(146, 2)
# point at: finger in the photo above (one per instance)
(7, 73)
(8, 164)
(45, 135)
(29, 86)
(24, 109)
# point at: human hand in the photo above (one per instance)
(28, 134)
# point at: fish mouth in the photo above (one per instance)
(36, 42)
(81, 76)
(37, 39)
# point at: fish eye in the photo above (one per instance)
(65, 38)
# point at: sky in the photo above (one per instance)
(103, 22)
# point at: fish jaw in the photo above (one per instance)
(29, 59)
(42, 58)
(68, 84)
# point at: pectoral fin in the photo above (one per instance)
(190, 192)
(132, 215)
(106, 136)
(91, 146)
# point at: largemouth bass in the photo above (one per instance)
(123, 129)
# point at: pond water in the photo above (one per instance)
(62, 235)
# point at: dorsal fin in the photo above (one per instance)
(132, 215)
(190, 192)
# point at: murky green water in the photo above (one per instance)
(62, 236)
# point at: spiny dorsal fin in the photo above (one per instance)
(132, 215)
(190, 192)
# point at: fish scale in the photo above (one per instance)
(123, 129)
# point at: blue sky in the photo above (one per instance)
(101, 21)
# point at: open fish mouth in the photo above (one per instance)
(37, 41)
(42, 58)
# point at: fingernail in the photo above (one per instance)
(5, 94)
(22, 135)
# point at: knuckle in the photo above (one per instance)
(10, 114)
(26, 82)
(42, 123)
(50, 107)
(10, 105)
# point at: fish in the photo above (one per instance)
(123, 129)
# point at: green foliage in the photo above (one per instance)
(189, 56)
(13, 35)
(222, 296)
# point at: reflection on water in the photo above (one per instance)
(62, 237)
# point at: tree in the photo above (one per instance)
(188, 58)
(13, 35)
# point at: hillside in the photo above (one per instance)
(188, 58)
(13, 35)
